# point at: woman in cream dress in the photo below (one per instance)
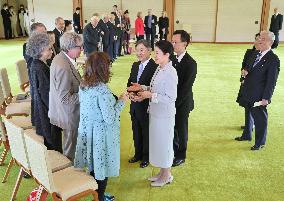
(162, 93)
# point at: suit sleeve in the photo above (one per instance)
(88, 37)
(43, 87)
(245, 60)
(272, 76)
(280, 22)
(130, 77)
(189, 77)
(110, 111)
(64, 87)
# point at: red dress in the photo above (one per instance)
(139, 27)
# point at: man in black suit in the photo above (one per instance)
(77, 21)
(91, 35)
(276, 26)
(6, 21)
(141, 72)
(58, 32)
(103, 24)
(150, 22)
(186, 68)
(258, 87)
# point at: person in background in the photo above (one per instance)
(258, 87)
(150, 23)
(27, 20)
(6, 21)
(52, 42)
(163, 26)
(275, 26)
(77, 21)
(91, 35)
(141, 73)
(126, 33)
(14, 21)
(64, 105)
(98, 143)
(162, 93)
(22, 22)
(103, 24)
(112, 37)
(58, 31)
(139, 27)
(68, 26)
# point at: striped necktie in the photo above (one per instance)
(257, 59)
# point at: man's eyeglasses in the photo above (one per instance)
(79, 46)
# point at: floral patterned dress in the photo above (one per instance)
(98, 142)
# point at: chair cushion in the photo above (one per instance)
(27, 99)
(18, 108)
(57, 160)
(71, 181)
(23, 122)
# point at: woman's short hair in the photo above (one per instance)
(69, 40)
(165, 46)
(139, 14)
(97, 70)
(36, 44)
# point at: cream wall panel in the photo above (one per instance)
(280, 5)
(236, 20)
(47, 11)
(200, 15)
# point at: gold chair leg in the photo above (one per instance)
(11, 163)
(17, 185)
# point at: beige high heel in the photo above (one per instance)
(162, 183)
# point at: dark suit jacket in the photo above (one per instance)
(260, 80)
(57, 40)
(163, 23)
(140, 108)
(276, 23)
(153, 24)
(76, 19)
(6, 16)
(112, 31)
(91, 38)
(247, 58)
(186, 71)
(104, 27)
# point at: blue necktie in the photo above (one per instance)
(150, 21)
(257, 59)
(140, 71)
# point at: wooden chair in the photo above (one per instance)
(23, 76)
(19, 153)
(68, 184)
(6, 87)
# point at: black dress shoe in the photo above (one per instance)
(178, 162)
(133, 160)
(242, 139)
(255, 148)
(144, 164)
(26, 175)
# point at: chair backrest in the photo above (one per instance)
(5, 84)
(17, 143)
(37, 153)
(22, 72)
(2, 98)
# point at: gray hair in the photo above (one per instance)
(69, 40)
(35, 25)
(36, 44)
(270, 35)
(58, 19)
(143, 42)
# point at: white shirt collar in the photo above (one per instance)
(264, 53)
(71, 60)
(59, 30)
(145, 63)
(179, 58)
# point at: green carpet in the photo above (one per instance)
(217, 167)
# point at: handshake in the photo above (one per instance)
(137, 93)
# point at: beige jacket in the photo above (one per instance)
(64, 108)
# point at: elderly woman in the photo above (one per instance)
(98, 146)
(162, 93)
(63, 95)
(38, 47)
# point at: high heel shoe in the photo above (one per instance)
(162, 183)
(155, 178)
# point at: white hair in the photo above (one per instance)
(270, 35)
(69, 40)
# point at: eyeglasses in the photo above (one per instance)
(79, 46)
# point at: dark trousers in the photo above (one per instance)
(181, 135)
(163, 36)
(78, 30)
(7, 30)
(110, 50)
(150, 37)
(257, 116)
(140, 128)
(139, 37)
(56, 133)
(276, 41)
(102, 184)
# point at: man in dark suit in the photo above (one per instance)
(77, 21)
(276, 26)
(150, 22)
(103, 24)
(6, 21)
(186, 68)
(91, 35)
(258, 88)
(141, 72)
(58, 32)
